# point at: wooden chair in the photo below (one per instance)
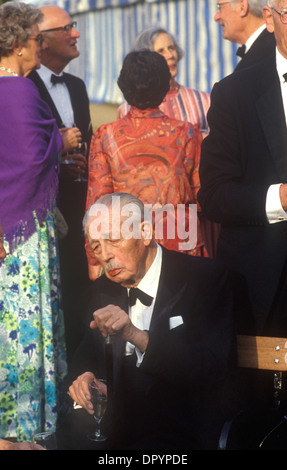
(265, 353)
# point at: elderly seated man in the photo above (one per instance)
(173, 346)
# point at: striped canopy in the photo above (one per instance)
(108, 29)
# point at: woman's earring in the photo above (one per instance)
(19, 53)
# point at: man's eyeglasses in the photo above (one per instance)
(219, 4)
(39, 38)
(66, 29)
(282, 14)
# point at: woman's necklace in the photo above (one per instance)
(9, 71)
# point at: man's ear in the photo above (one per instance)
(268, 18)
(244, 7)
(146, 231)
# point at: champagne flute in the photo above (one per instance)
(82, 149)
(99, 400)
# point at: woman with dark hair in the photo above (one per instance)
(146, 153)
(32, 352)
(181, 102)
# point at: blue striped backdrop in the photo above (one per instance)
(108, 29)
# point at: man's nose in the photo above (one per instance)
(106, 252)
(217, 16)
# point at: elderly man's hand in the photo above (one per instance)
(112, 320)
(80, 393)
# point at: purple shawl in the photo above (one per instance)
(29, 146)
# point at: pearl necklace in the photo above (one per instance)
(9, 71)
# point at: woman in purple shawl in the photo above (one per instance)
(32, 347)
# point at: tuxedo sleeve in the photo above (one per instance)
(231, 193)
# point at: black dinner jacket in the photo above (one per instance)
(263, 46)
(79, 100)
(196, 356)
(246, 152)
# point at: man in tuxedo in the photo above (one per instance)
(67, 97)
(242, 23)
(173, 349)
(243, 173)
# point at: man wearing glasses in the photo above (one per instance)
(243, 174)
(67, 97)
(242, 23)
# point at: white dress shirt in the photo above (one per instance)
(274, 210)
(140, 314)
(253, 37)
(60, 95)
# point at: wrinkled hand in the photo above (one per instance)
(72, 136)
(76, 169)
(80, 393)
(112, 320)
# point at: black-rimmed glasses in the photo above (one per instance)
(282, 14)
(66, 29)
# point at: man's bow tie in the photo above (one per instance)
(136, 293)
(241, 51)
(285, 76)
(57, 79)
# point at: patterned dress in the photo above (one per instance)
(152, 157)
(32, 343)
(32, 354)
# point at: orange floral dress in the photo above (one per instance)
(156, 159)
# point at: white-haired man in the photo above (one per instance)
(242, 22)
(172, 356)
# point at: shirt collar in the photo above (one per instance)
(45, 75)
(144, 113)
(149, 283)
(281, 65)
(253, 37)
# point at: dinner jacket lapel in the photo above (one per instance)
(45, 95)
(271, 115)
(172, 286)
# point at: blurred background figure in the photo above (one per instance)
(67, 97)
(146, 153)
(180, 102)
(32, 353)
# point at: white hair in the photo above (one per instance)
(256, 6)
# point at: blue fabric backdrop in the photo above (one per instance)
(108, 29)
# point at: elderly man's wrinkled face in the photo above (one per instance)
(228, 17)
(124, 259)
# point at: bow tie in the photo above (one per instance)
(285, 76)
(241, 51)
(136, 293)
(55, 79)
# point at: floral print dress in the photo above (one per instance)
(32, 343)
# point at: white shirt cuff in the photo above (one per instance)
(274, 210)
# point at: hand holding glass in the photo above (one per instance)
(99, 400)
(82, 149)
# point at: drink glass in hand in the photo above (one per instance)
(46, 439)
(98, 391)
(82, 149)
